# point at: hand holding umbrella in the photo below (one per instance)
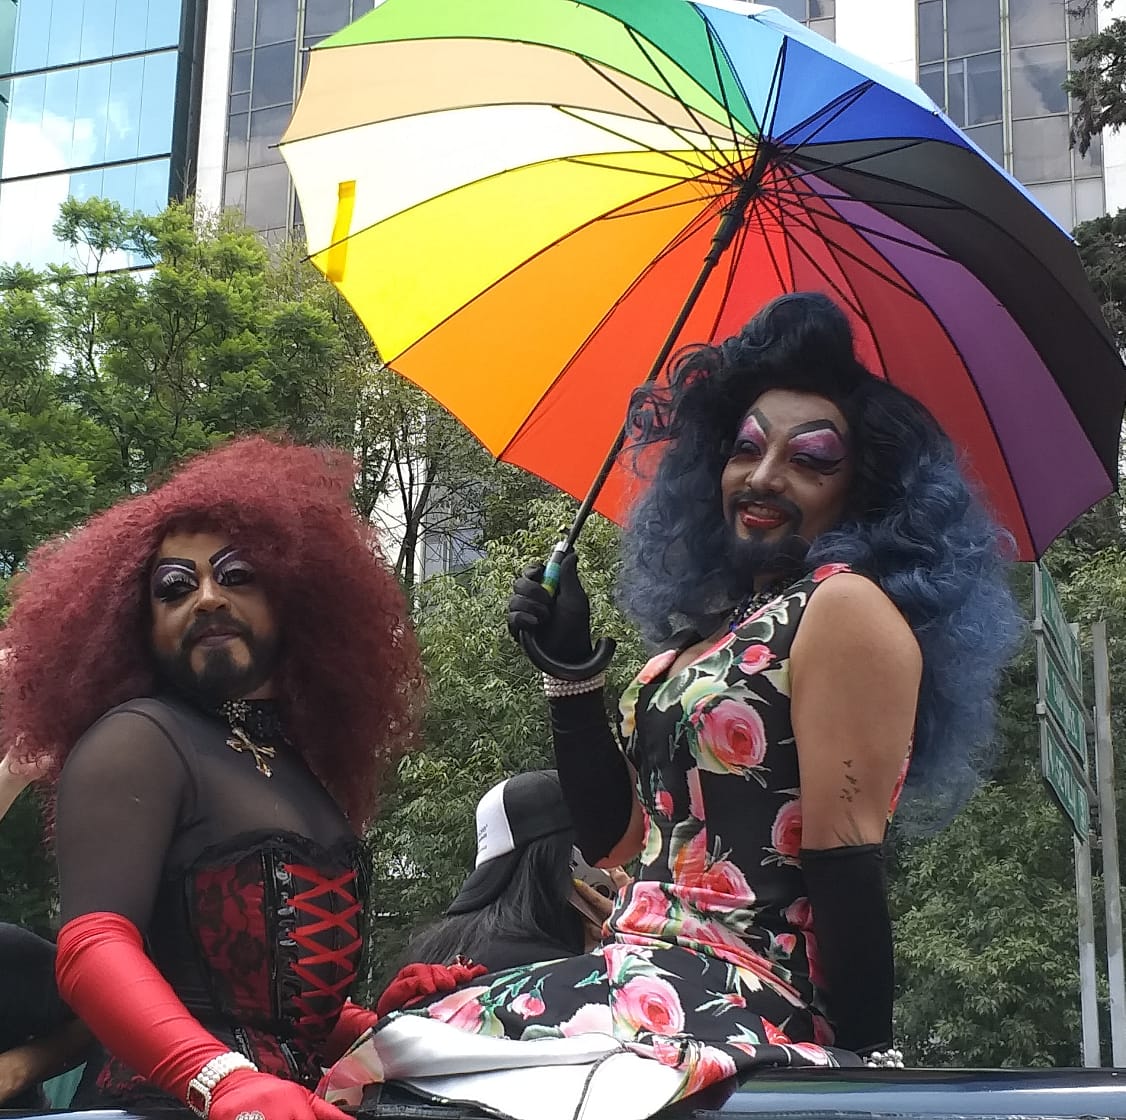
(549, 615)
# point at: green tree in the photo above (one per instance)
(1097, 81)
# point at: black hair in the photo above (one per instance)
(533, 907)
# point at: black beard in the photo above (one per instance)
(747, 559)
(220, 679)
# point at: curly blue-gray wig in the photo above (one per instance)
(912, 524)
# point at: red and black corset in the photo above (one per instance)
(265, 951)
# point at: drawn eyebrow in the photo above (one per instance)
(763, 423)
(818, 426)
(174, 562)
(222, 554)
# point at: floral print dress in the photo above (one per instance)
(710, 965)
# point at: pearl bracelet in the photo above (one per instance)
(554, 688)
(885, 1059)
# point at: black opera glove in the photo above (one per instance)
(847, 889)
(593, 774)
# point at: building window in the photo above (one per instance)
(90, 107)
(817, 15)
(1010, 101)
(267, 68)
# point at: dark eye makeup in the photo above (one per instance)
(174, 577)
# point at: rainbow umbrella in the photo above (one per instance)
(521, 197)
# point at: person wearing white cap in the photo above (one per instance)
(516, 906)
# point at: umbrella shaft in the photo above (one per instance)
(733, 216)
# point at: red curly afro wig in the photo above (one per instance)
(350, 680)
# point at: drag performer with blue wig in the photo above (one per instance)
(829, 602)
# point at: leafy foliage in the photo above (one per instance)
(1098, 81)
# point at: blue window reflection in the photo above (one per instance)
(97, 32)
(65, 42)
(130, 23)
(81, 115)
(158, 97)
(64, 32)
(126, 78)
(33, 34)
(90, 119)
(153, 188)
(163, 28)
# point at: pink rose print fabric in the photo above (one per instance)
(711, 967)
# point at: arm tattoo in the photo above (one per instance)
(851, 786)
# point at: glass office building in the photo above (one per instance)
(96, 100)
(271, 41)
(997, 67)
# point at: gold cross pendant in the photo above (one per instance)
(242, 743)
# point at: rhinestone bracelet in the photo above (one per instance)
(885, 1059)
(554, 688)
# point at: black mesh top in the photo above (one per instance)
(152, 786)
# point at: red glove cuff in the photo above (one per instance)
(416, 981)
(353, 1021)
(105, 975)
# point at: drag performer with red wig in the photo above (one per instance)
(219, 672)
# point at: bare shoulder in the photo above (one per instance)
(851, 615)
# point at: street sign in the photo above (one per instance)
(1059, 773)
(1059, 631)
(1061, 704)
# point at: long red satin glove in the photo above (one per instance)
(416, 981)
(107, 978)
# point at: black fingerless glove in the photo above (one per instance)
(593, 773)
(847, 890)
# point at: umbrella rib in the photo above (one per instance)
(709, 32)
(783, 283)
(840, 104)
(806, 224)
(690, 110)
(836, 216)
(630, 139)
(850, 296)
(685, 233)
(793, 243)
(605, 76)
(954, 204)
(582, 161)
(856, 303)
(776, 84)
(855, 162)
(650, 209)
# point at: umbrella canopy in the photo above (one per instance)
(517, 195)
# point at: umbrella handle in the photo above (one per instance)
(583, 670)
(603, 648)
